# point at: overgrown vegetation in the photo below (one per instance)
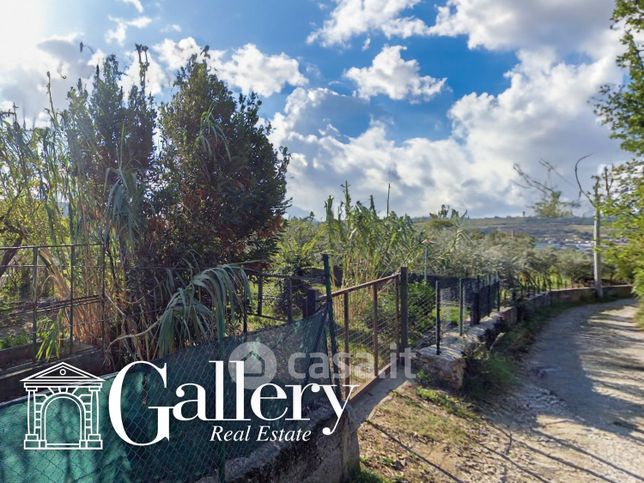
(621, 108)
(208, 191)
(183, 194)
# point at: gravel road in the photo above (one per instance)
(578, 412)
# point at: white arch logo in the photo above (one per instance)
(59, 384)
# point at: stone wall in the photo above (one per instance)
(587, 294)
(448, 368)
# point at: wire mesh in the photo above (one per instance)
(368, 328)
(190, 453)
(278, 297)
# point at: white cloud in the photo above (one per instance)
(570, 26)
(246, 68)
(175, 54)
(173, 27)
(323, 159)
(119, 32)
(350, 18)
(545, 113)
(395, 77)
(24, 82)
(135, 3)
(251, 70)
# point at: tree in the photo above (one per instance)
(110, 142)
(221, 183)
(626, 208)
(30, 209)
(622, 107)
(551, 204)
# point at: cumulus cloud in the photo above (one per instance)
(175, 54)
(319, 110)
(422, 172)
(119, 32)
(24, 82)
(395, 77)
(173, 27)
(350, 18)
(570, 26)
(246, 68)
(543, 114)
(251, 70)
(135, 3)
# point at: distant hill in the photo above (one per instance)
(542, 229)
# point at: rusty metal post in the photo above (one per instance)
(34, 314)
(488, 308)
(404, 308)
(309, 302)
(72, 259)
(375, 329)
(498, 291)
(347, 366)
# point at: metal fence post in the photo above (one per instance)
(103, 249)
(289, 300)
(438, 316)
(34, 281)
(488, 308)
(71, 298)
(347, 366)
(260, 293)
(498, 292)
(425, 268)
(476, 302)
(329, 302)
(375, 330)
(404, 308)
(309, 302)
(461, 305)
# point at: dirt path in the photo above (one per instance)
(578, 413)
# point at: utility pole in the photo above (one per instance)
(595, 199)
(597, 255)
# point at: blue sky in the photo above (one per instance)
(437, 98)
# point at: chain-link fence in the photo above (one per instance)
(193, 450)
(455, 302)
(279, 297)
(367, 318)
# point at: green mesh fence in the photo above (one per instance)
(189, 454)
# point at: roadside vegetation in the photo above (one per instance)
(185, 194)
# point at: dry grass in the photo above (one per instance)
(414, 434)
